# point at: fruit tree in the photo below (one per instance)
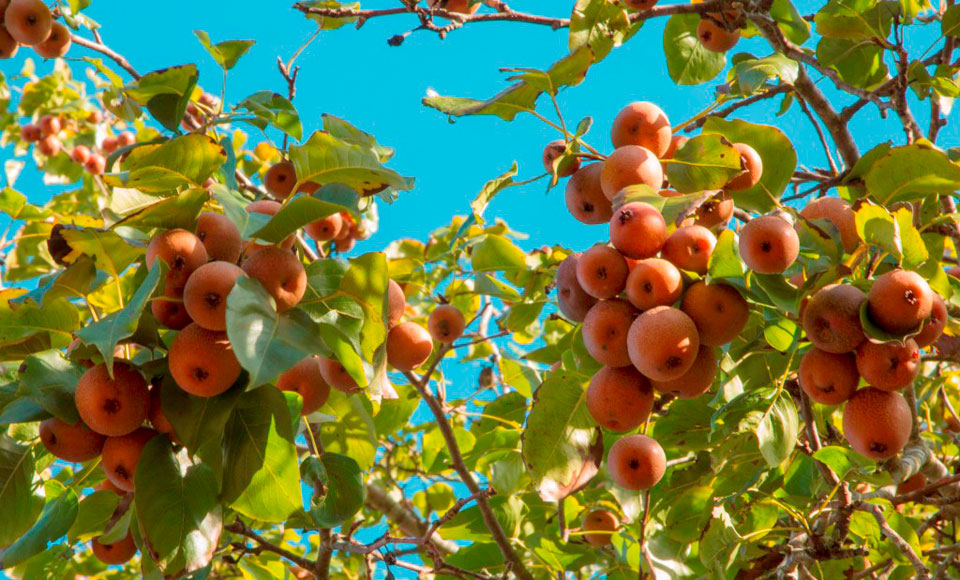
(213, 367)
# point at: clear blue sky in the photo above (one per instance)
(357, 76)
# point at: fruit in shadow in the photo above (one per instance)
(828, 378)
(877, 423)
(935, 323)
(57, 44)
(552, 151)
(70, 442)
(831, 318)
(115, 554)
(112, 406)
(202, 361)
(280, 179)
(889, 366)
(695, 381)
(396, 303)
(752, 168)
(180, 250)
(716, 38)
(605, 331)
(584, 196)
(122, 454)
(336, 375)
(324, 229)
(220, 237)
(619, 398)
(306, 378)
(281, 274)
(573, 300)
(602, 524)
(169, 309)
(838, 212)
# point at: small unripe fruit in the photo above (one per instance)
(716, 38)
(446, 323)
(306, 378)
(889, 366)
(408, 346)
(630, 165)
(202, 361)
(605, 331)
(281, 274)
(584, 196)
(663, 343)
(752, 168)
(769, 245)
(603, 524)
(112, 406)
(877, 423)
(602, 272)
(828, 378)
(831, 318)
(718, 310)
(638, 230)
(645, 124)
(689, 248)
(619, 399)
(636, 462)
(900, 301)
(555, 149)
(75, 443)
(122, 454)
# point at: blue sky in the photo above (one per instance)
(357, 76)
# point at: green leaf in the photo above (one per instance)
(328, 22)
(842, 460)
(327, 159)
(486, 195)
(21, 505)
(226, 53)
(261, 479)
(78, 279)
(55, 520)
(496, 253)
(781, 333)
(725, 259)
(29, 329)
(177, 507)
(912, 172)
(143, 211)
(184, 161)
(558, 439)
(858, 62)
(274, 110)
(522, 96)
(14, 204)
(688, 62)
(855, 19)
(599, 24)
(345, 491)
(777, 431)
(704, 162)
(165, 93)
(111, 329)
(790, 21)
(914, 250)
(876, 226)
(93, 515)
(353, 432)
(49, 380)
(345, 131)
(365, 282)
(950, 22)
(719, 544)
(111, 253)
(775, 149)
(753, 73)
(303, 209)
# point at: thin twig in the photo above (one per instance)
(107, 52)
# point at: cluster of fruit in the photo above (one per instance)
(876, 419)
(46, 133)
(649, 328)
(30, 23)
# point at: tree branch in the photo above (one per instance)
(107, 52)
(238, 527)
(726, 111)
(837, 128)
(897, 539)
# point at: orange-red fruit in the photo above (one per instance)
(458, 6)
(831, 318)
(605, 331)
(281, 273)
(638, 230)
(877, 423)
(396, 303)
(555, 149)
(630, 165)
(769, 245)
(446, 323)
(603, 524)
(76, 443)
(716, 38)
(280, 179)
(109, 144)
(573, 300)
(49, 125)
(30, 132)
(220, 237)
(324, 229)
(158, 419)
(642, 123)
(126, 139)
(115, 554)
(602, 272)
(636, 462)
(676, 142)
(900, 301)
(653, 282)
(182, 251)
(585, 198)
(689, 248)
(828, 378)
(619, 398)
(205, 295)
(752, 168)
(838, 212)
(408, 346)
(663, 343)
(96, 165)
(889, 366)
(121, 455)
(8, 45)
(695, 381)
(934, 325)
(718, 310)
(202, 361)
(337, 376)
(171, 313)
(107, 485)
(80, 154)
(49, 146)
(114, 406)
(57, 44)
(28, 21)
(715, 212)
(306, 378)
(913, 483)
